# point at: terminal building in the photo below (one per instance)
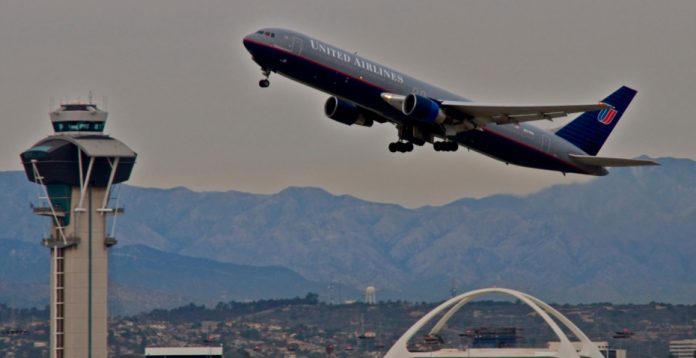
(685, 348)
(184, 352)
(603, 346)
(583, 347)
(486, 337)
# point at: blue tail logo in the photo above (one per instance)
(591, 129)
(606, 116)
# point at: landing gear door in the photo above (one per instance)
(296, 46)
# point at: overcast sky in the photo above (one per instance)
(182, 90)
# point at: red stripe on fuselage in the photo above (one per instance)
(488, 130)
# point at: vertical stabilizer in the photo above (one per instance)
(591, 129)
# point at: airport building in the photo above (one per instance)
(77, 168)
(184, 352)
(603, 346)
(685, 348)
(563, 348)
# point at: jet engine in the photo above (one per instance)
(423, 109)
(345, 112)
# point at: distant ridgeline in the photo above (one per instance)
(226, 310)
(627, 237)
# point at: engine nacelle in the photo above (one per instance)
(423, 109)
(345, 112)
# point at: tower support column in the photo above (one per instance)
(85, 281)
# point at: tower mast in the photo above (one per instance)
(77, 167)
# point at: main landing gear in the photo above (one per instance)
(265, 82)
(401, 147)
(445, 146)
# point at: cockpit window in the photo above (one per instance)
(266, 33)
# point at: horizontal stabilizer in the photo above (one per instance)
(609, 162)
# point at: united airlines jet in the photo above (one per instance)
(363, 92)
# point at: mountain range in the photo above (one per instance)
(626, 237)
(143, 278)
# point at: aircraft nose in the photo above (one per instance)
(247, 41)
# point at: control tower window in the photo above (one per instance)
(79, 107)
(78, 126)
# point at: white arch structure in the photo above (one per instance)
(566, 349)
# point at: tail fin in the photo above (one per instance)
(591, 129)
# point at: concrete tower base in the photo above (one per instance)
(79, 282)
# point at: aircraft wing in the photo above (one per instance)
(484, 113)
(609, 162)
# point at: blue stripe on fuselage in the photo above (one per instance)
(355, 89)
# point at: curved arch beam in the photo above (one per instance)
(566, 349)
(441, 323)
(400, 347)
(588, 348)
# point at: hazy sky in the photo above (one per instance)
(182, 90)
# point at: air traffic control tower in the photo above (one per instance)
(77, 167)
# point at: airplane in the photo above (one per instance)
(363, 92)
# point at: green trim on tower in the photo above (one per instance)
(60, 196)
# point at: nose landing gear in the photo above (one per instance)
(265, 82)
